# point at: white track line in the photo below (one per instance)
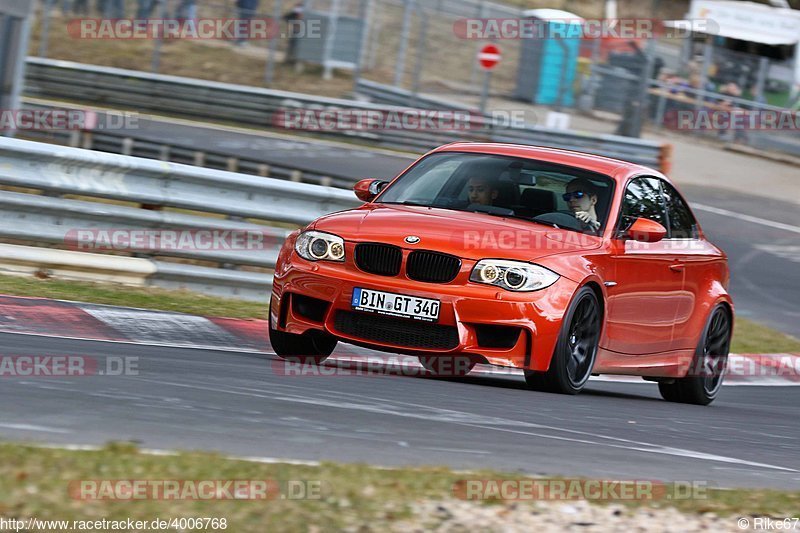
(747, 218)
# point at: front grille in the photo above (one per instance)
(380, 259)
(432, 267)
(398, 332)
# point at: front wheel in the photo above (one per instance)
(312, 347)
(576, 349)
(704, 380)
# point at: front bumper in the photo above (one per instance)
(469, 314)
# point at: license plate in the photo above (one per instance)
(391, 304)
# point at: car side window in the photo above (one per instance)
(682, 224)
(642, 199)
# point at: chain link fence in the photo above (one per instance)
(418, 46)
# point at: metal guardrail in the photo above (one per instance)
(386, 94)
(217, 200)
(639, 151)
(137, 143)
(200, 99)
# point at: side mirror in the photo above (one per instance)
(646, 230)
(366, 190)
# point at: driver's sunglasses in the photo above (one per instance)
(567, 196)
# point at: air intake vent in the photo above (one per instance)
(396, 331)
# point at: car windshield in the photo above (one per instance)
(538, 191)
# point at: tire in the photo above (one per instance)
(312, 347)
(576, 349)
(452, 367)
(707, 371)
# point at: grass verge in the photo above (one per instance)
(749, 336)
(36, 482)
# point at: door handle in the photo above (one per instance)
(678, 267)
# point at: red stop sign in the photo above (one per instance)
(489, 56)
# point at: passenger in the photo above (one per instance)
(581, 197)
(482, 191)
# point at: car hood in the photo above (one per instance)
(463, 234)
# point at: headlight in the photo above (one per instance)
(512, 275)
(318, 246)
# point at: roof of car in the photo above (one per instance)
(616, 168)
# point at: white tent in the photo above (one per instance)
(747, 21)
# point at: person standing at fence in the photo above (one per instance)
(80, 7)
(294, 19)
(146, 9)
(111, 9)
(245, 10)
(186, 10)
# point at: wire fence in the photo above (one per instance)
(418, 46)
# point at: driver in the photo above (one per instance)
(581, 197)
(482, 191)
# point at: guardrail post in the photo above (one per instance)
(47, 8)
(661, 109)
(199, 159)
(87, 140)
(400, 62)
(263, 171)
(164, 153)
(127, 146)
(296, 175)
(665, 158)
(75, 138)
(232, 164)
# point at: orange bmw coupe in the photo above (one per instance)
(563, 264)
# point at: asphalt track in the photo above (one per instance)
(237, 403)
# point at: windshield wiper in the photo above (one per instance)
(409, 202)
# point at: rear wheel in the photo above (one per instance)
(312, 347)
(458, 366)
(576, 349)
(704, 381)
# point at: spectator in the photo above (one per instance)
(79, 7)
(293, 19)
(245, 10)
(187, 9)
(113, 9)
(146, 9)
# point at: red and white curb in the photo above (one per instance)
(75, 320)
